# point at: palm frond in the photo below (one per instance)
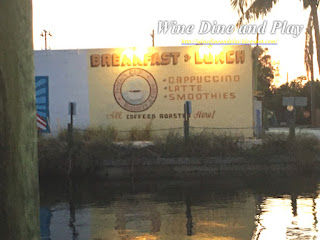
(252, 9)
(306, 3)
(239, 5)
(308, 50)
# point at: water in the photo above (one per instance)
(202, 209)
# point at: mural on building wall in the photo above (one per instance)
(131, 88)
(42, 103)
(135, 90)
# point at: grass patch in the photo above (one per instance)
(89, 148)
(93, 146)
(136, 134)
(303, 148)
(272, 144)
(198, 145)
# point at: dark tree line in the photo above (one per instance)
(274, 112)
(294, 89)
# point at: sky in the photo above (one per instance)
(83, 24)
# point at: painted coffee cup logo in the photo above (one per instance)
(135, 90)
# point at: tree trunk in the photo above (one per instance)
(317, 38)
(19, 188)
(316, 31)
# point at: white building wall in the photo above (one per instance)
(72, 78)
(68, 82)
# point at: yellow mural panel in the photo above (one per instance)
(133, 87)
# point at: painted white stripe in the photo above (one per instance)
(41, 126)
(41, 121)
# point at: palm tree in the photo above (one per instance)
(308, 60)
(253, 9)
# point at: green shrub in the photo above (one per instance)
(52, 155)
(98, 144)
(170, 146)
(274, 144)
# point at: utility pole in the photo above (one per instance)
(255, 65)
(152, 36)
(44, 34)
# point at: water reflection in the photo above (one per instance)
(288, 213)
(189, 217)
(45, 221)
(72, 210)
(288, 217)
(203, 209)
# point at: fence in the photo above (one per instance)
(149, 133)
